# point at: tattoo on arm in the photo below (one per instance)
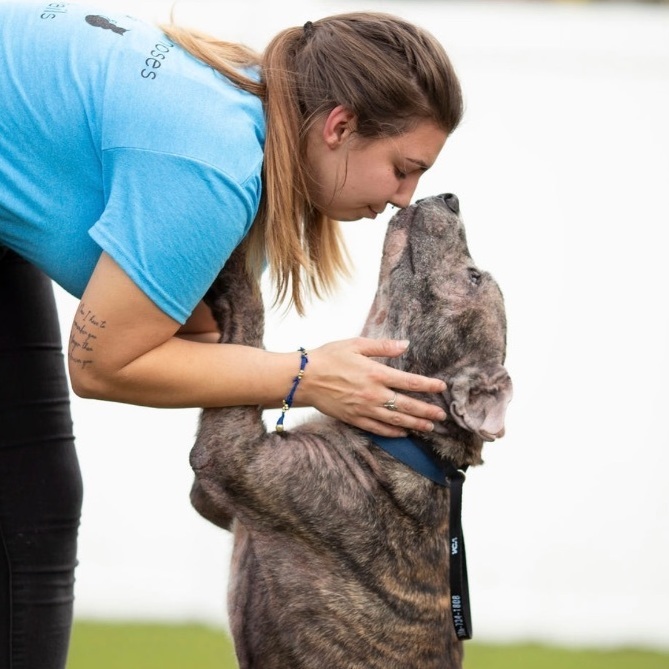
(83, 336)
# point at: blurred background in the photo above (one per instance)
(562, 169)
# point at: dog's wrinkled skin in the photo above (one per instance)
(341, 553)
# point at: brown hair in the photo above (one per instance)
(389, 73)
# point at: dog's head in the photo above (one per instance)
(431, 293)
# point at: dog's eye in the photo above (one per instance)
(474, 276)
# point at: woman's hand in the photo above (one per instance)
(342, 381)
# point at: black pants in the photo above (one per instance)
(40, 481)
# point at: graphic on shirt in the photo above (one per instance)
(104, 23)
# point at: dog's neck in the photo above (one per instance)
(453, 444)
(420, 456)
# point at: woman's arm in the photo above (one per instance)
(201, 326)
(125, 349)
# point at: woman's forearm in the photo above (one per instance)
(185, 373)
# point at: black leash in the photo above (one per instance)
(421, 457)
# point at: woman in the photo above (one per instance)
(132, 162)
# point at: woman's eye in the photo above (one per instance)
(399, 174)
(474, 276)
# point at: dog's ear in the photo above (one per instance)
(479, 397)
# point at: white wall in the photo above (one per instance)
(562, 169)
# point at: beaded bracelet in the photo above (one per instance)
(288, 402)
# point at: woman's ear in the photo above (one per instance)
(338, 127)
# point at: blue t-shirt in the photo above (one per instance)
(112, 138)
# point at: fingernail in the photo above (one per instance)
(441, 416)
(403, 344)
(430, 427)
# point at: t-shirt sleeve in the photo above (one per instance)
(171, 222)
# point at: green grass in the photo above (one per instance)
(540, 657)
(141, 646)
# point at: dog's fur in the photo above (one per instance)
(341, 556)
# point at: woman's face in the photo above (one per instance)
(353, 178)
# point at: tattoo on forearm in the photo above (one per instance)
(82, 337)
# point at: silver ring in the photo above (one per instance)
(390, 404)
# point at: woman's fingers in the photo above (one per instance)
(394, 378)
(379, 348)
(409, 413)
(346, 384)
(402, 405)
(395, 422)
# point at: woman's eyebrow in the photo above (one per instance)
(422, 164)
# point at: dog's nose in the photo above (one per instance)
(451, 201)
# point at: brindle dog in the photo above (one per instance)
(341, 552)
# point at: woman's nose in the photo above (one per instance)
(400, 202)
(404, 194)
